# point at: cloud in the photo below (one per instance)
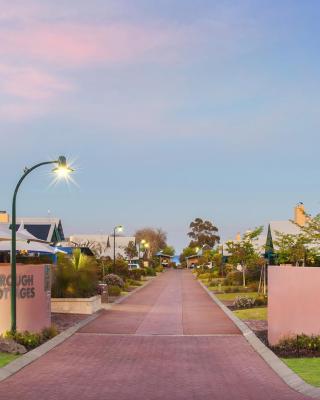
(41, 47)
(17, 111)
(31, 83)
(76, 44)
(28, 92)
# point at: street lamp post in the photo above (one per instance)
(160, 253)
(118, 228)
(62, 170)
(142, 245)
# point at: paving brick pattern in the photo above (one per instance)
(169, 341)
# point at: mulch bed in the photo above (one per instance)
(257, 325)
(260, 329)
(65, 321)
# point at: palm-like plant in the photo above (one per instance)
(75, 276)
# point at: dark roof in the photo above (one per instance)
(194, 256)
(39, 231)
(163, 255)
(48, 229)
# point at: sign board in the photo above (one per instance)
(33, 297)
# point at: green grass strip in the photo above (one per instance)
(259, 313)
(307, 368)
(6, 358)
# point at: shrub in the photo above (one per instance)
(299, 345)
(216, 282)
(234, 278)
(150, 271)
(159, 268)
(31, 340)
(113, 280)
(49, 333)
(244, 302)
(253, 287)
(132, 282)
(75, 277)
(204, 275)
(199, 271)
(114, 290)
(261, 300)
(120, 268)
(135, 274)
(213, 274)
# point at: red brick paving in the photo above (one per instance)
(146, 360)
(200, 314)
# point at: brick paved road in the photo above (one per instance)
(169, 341)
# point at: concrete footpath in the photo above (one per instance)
(168, 341)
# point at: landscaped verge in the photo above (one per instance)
(299, 354)
(289, 377)
(6, 358)
(307, 368)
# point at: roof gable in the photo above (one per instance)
(285, 227)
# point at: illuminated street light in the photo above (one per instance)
(142, 245)
(63, 170)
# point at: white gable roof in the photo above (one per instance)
(286, 227)
(104, 243)
(260, 243)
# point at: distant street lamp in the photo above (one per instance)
(142, 245)
(118, 228)
(62, 170)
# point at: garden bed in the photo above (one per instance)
(66, 321)
(301, 354)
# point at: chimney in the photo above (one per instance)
(300, 217)
(238, 237)
(4, 217)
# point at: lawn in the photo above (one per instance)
(307, 368)
(5, 358)
(232, 296)
(259, 313)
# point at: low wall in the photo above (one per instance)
(293, 302)
(33, 297)
(76, 306)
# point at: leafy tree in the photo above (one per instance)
(131, 250)
(156, 238)
(218, 262)
(169, 250)
(311, 230)
(244, 252)
(119, 268)
(300, 249)
(188, 251)
(290, 249)
(203, 233)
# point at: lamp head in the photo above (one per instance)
(119, 228)
(62, 170)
